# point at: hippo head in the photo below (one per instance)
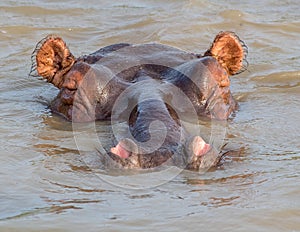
(90, 85)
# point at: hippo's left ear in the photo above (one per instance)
(52, 59)
(230, 51)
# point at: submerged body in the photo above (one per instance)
(160, 82)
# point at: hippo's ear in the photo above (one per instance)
(230, 51)
(51, 60)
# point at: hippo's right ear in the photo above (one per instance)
(51, 60)
(230, 51)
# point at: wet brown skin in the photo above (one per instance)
(177, 148)
(90, 85)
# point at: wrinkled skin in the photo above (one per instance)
(161, 144)
(91, 85)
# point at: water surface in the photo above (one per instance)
(47, 185)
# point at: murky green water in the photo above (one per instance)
(46, 184)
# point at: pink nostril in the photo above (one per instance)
(200, 147)
(120, 151)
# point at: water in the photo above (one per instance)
(46, 185)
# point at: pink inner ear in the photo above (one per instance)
(120, 151)
(200, 147)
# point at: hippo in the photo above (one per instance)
(149, 79)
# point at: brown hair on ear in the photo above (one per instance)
(51, 60)
(230, 51)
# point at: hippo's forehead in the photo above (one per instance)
(144, 54)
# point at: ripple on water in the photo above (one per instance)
(48, 184)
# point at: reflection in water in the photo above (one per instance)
(45, 182)
(78, 188)
(243, 177)
(219, 201)
(56, 209)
